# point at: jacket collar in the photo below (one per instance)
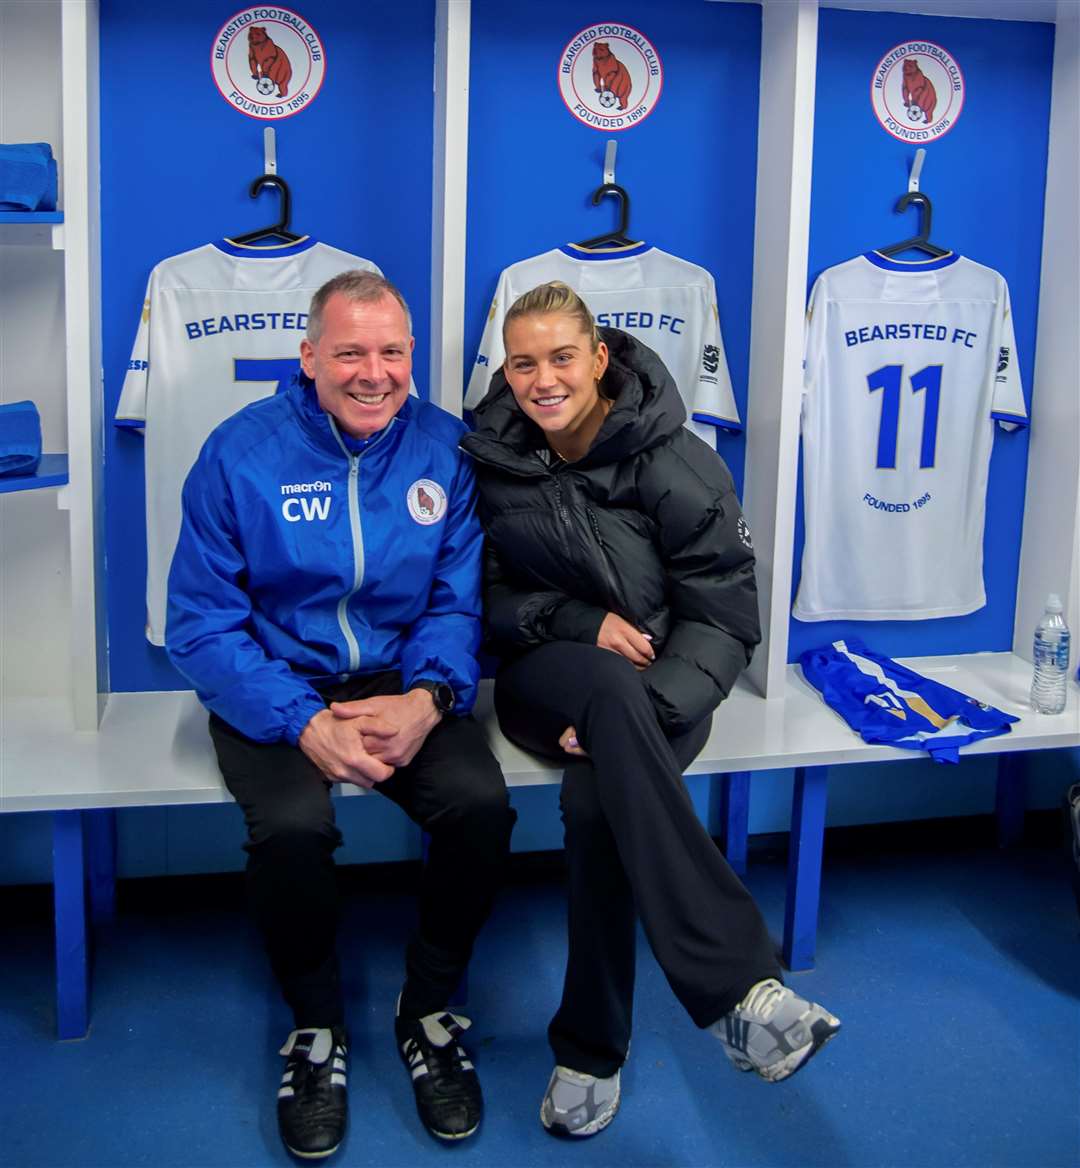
(323, 433)
(646, 410)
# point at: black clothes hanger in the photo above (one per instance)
(922, 240)
(617, 238)
(281, 228)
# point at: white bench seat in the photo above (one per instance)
(153, 749)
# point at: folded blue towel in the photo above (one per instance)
(27, 177)
(20, 438)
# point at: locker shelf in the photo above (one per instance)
(52, 471)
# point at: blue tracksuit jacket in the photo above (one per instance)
(305, 557)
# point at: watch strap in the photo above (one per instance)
(441, 693)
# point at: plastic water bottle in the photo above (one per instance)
(1051, 660)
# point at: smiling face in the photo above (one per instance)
(361, 362)
(553, 373)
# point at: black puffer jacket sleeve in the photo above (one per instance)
(522, 617)
(705, 545)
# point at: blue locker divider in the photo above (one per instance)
(804, 867)
(72, 956)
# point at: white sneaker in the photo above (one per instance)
(579, 1105)
(773, 1031)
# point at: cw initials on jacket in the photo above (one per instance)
(296, 509)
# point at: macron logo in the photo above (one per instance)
(294, 509)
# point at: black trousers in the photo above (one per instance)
(633, 841)
(453, 789)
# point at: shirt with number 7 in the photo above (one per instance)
(221, 327)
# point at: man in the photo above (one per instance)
(324, 602)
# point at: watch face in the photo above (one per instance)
(442, 695)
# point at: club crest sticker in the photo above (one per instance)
(610, 76)
(426, 501)
(268, 62)
(917, 91)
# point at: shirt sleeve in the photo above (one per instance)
(705, 545)
(208, 631)
(491, 354)
(516, 617)
(131, 409)
(1008, 407)
(813, 338)
(714, 398)
(442, 643)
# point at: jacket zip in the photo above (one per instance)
(563, 514)
(356, 530)
(605, 561)
(566, 525)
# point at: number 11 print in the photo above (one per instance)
(889, 379)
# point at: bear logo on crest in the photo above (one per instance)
(269, 64)
(610, 75)
(426, 501)
(918, 91)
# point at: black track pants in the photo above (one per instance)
(633, 840)
(453, 788)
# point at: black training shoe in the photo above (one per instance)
(312, 1104)
(447, 1088)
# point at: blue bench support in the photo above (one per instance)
(729, 816)
(69, 897)
(805, 852)
(100, 829)
(1011, 799)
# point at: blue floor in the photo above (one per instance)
(956, 976)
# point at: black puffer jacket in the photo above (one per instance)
(646, 525)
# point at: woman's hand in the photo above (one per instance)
(568, 741)
(621, 637)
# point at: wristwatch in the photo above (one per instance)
(441, 694)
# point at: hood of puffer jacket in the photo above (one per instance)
(646, 410)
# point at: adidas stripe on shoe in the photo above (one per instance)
(312, 1103)
(447, 1088)
(577, 1104)
(773, 1031)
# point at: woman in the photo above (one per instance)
(620, 591)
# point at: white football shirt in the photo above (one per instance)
(221, 327)
(907, 365)
(669, 304)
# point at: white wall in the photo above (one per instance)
(1048, 560)
(34, 558)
